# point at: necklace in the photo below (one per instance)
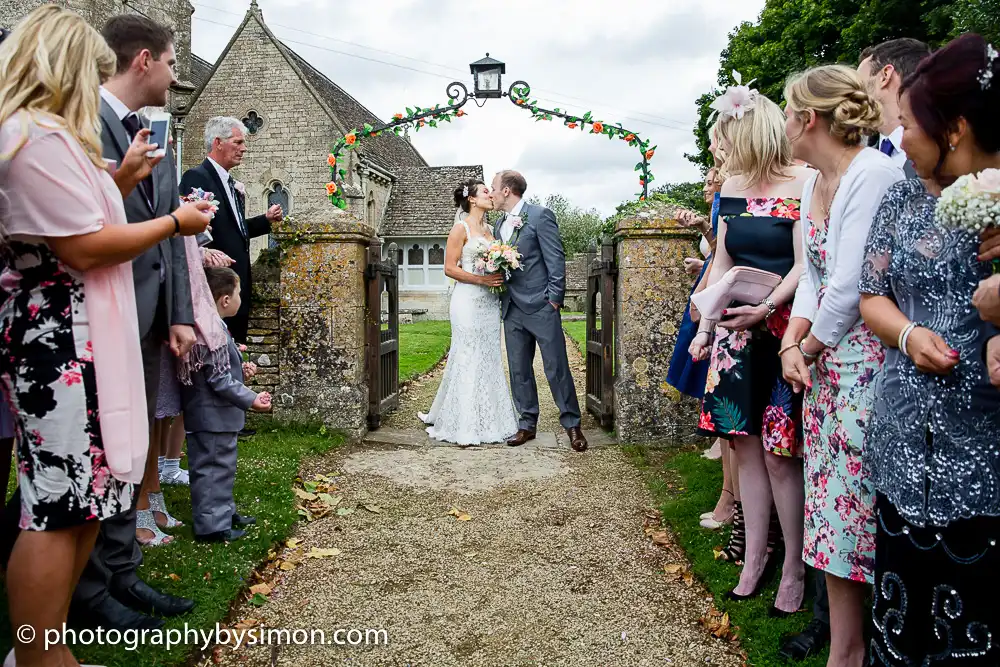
(824, 201)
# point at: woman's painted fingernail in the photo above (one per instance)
(954, 354)
(725, 312)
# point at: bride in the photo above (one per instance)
(473, 404)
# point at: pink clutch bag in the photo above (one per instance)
(741, 284)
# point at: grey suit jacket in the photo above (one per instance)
(168, 255)
(217, 400)
(542, 280)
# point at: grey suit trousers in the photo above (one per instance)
(521, 332)
(212, 465)
(116, 555)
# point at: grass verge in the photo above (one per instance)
(214, 575)
(684, 485)
(578, 332)
(421, 347)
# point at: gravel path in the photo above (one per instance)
(485, 557)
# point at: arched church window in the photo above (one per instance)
(279, 195)
(253, 122)
(370, 210)
(415, 255)
(435, 255)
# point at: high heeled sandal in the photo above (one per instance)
(735, 550)
(144, 519)
(158, 504)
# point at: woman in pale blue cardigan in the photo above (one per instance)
(827, 350)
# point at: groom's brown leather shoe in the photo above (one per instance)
(576, 439)
(521, 437)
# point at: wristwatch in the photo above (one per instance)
(766, 301)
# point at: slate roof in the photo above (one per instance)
(388, 150)
(201, 69)
(422, 202)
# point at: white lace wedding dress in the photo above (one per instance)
(473, 405)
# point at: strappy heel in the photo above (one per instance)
(144, 519)
(158, 504)
(737, 546)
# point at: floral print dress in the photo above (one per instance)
(745, 394)
(840, 500)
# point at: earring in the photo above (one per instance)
(951, 146)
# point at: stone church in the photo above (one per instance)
(390, 185)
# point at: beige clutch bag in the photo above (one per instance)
(741, 284)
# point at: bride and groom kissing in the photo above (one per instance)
(474, 404)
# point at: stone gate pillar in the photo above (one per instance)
(653, 291)
(322, 323)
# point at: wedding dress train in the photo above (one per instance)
(473, 405)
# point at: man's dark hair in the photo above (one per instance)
(903, 54)
(515, 181)
(222, 280)
(128, 34)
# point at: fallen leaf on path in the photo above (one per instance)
(330, 500)
(660, 537)
(673, 568)
(247, 623)
(175, 577)
(459, 514)
(258, 600)
(287, 566)
(293, 542)
(688, 579)
(309, 486)
(344, 511)
(305, 495)
(261, 589)
(717, 552)
(718, 624)
(374, 509)
(323, 553)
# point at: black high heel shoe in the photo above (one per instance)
(770, 567)
(735, 550)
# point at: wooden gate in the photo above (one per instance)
(381, 337)
(601, 333)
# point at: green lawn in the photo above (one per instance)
(578, 332)
(685, 485)
(421, 347)
(215, 575)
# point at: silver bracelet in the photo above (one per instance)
(767, 301)
(904, 335)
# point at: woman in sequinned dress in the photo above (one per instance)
(828, 352)
(746, 398)
(933, 445)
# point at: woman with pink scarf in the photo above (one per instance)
(69, 342)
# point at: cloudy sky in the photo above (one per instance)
(638, 62)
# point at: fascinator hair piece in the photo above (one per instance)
(465, 191)
(986, 73)
(736, 101)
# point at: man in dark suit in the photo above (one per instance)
(883, 69)
(231, 229)
(110, 593)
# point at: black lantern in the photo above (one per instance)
(486, 74)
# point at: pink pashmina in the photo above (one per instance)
(212, 344)
(56, 191)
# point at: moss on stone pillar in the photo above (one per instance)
(653, 290)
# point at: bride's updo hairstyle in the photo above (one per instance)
(837, 95)
(465, 192)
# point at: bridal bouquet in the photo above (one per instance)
(498, 257)
(972, 203)
(197, 194)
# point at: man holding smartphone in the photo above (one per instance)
(110, 593)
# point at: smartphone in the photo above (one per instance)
(159, 130)
(204, 238)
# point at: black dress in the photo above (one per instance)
(745, 394)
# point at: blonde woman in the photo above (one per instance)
(69, 358)
(746, 398)
(828, 352)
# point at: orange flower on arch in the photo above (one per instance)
(649, 154)
(459, 113)
(350, 139)
(420, 123)
(572, 126)
(598, 127)
(331, 160)
(629, 137)
(642, 181)
(521, 102)
(398, 116)
(331, 189)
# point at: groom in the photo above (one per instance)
(531, 306)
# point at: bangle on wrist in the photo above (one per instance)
(177, 224)
(904, 335)
(806, 354)
(786, 348)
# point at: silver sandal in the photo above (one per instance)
(144, 519)
(158, 504)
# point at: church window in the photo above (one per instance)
(253, 122)
(279, 195)
(435, 256)
(421, 267)
(415, 256)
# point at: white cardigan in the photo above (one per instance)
(857, 200)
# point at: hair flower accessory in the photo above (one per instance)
(986, 73)
(736, 101)
(465, 191)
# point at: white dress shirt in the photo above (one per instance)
(507, 228)
(224, 176)
(898, 155)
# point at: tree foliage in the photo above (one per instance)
(577, 227)
(688, 195)
(791, 35)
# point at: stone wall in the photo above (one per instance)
(577, 269)
(653, 291)
(264, 334)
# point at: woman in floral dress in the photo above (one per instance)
(746, 399)
(70, 361)
(827, 111)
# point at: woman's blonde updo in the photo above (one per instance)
(759, 150)
(836, 94)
